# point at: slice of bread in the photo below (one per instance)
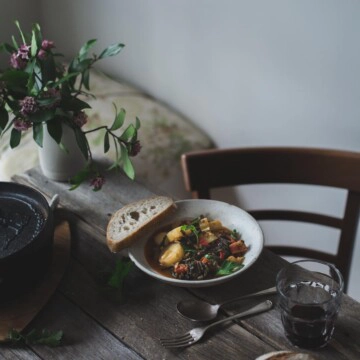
(285, 355)
(133, 220)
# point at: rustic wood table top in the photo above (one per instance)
(99, 326)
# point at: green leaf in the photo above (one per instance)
(8, 127)
(20, 31)
(81, 66)
(74, 104)
(122, 268)
(55, 129)
(50, 339)
(48, 69)
(15, 138)
(16, 81)
(44, 337)
(114, 280)
(119, 120)
(34, 46)
(38, 133)
(137, 123)
(82, 142)
(64, 79)
(193, 229)
(106, 142)
(37, 31)
(42, 116)
(47, 101)
(228, 267)
(79, 178)
(86, 79)
(85, 48)
(4, 118)
(112, 50)
(14, 76)
(73, 66)
(129, 133)
(32, 86)
(114, 166)
(60, 112)
(16, 46)
(126, 163)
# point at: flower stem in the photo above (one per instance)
(98, 128)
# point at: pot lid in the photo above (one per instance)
(22, 218)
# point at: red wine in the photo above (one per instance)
(311, 325)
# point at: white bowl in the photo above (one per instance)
(231, 216)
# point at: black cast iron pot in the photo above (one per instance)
(26, 238)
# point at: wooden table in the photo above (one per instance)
(98, 327)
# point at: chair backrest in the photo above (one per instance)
(207, 169)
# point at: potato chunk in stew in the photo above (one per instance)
(198, 249)
(172, 254)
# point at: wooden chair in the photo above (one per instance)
(204, 170)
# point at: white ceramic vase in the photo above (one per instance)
(57, 164)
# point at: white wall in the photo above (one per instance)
(249, 72)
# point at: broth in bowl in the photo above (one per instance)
(196, 249)
(145, 252)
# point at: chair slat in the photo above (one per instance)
(302, 216)
(302, 252)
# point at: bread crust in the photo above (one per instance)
(116, 245)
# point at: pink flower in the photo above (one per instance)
(47, 44)
(19, 59)
(28, 105)
(23, 52)
(97, 182)
(21, 124)
(135, 148)
(17, 62)
(80, 119)
(42, 54)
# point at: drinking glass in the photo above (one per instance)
(309, 293)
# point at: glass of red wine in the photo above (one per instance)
(309, 294)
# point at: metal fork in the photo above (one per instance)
(194, 335)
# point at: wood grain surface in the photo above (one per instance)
(98, 326)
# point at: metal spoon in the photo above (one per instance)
(199, 310)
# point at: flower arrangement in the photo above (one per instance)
(39, 93)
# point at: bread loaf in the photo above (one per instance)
(134, 220)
